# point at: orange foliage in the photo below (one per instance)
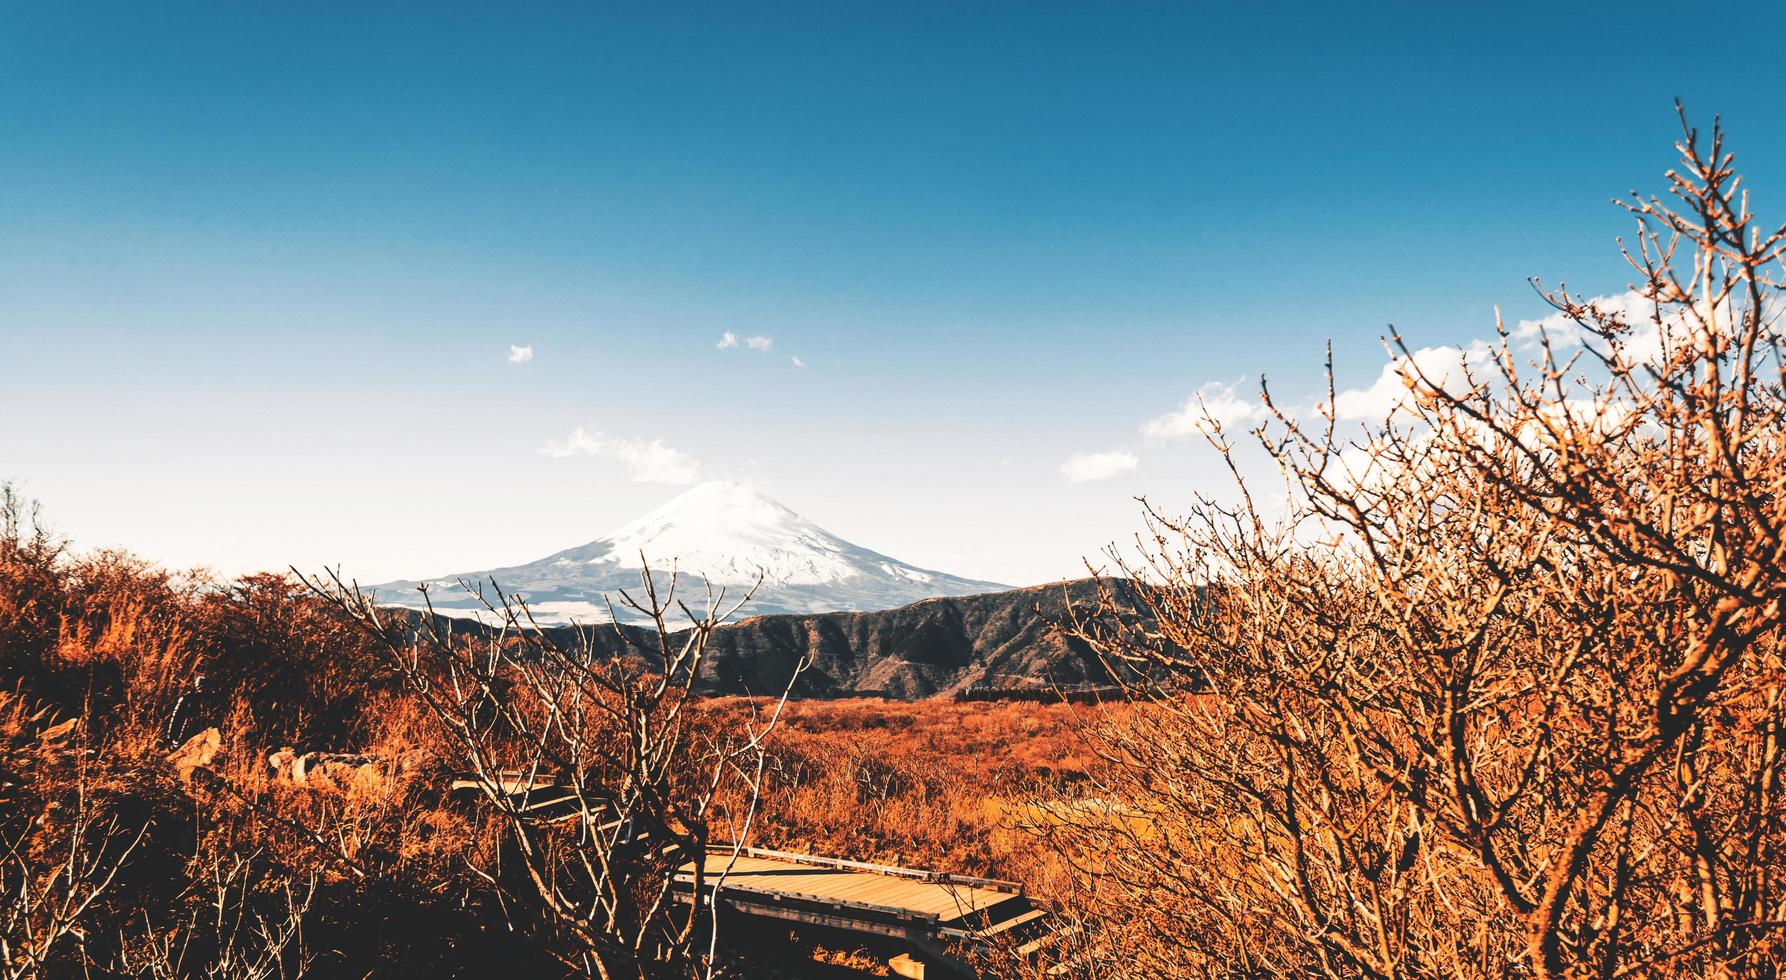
(932, 784)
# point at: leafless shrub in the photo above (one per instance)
(602, 778)
(248, 928)
(57, 863)
(1498, 689)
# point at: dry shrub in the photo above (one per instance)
(1498, 691)
(641, 782)
(60, 849)
(213, 868)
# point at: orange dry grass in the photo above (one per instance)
(932, 784)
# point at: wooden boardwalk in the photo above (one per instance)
(947, 900)
(928, 912)
(931, 915)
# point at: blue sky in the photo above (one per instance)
(261, 265)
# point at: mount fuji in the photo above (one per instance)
(722, 532)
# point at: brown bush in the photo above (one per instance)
(1500, 691)
(122, 863)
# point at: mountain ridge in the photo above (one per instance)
(946, 645)
(722, 532)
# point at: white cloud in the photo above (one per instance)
(1563, 332)
(654, 462)
(1432, 368)
(1217, 401)
(798, 362)
(1085, 467)
(1646, 341)
(757, 342)
(520, 355)
(579, 441)
(1454, 369)
(646, 462)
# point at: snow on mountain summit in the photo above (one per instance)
(721, 531)
(727, 533)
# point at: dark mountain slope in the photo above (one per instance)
(937, 646)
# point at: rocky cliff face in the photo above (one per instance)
(935, 647)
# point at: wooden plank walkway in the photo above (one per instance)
(933, 914)
(901, 892)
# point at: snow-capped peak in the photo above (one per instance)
(730, 535)
(717, 508)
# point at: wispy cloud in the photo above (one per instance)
(519, 354)
(1086, 467)
(646, 462)
(1220, 402)
(798, 362)
(757, 342)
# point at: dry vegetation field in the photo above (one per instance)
(159, 827)
(937, 784)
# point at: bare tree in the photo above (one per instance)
(24, 535)
(58, 862)
(248, 928)
(1496, 689)
(601, 770)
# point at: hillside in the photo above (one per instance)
(934, 647)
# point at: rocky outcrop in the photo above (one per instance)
(339, 772)
(195, 753)
(991, 642)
